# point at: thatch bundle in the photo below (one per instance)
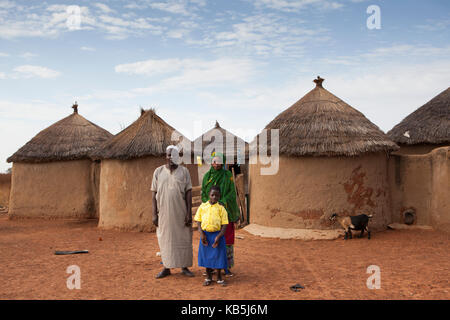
(430, 124)
(321, 124)
(231, 145)
(149, 135)
(71, 138)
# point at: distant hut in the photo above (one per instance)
(5, 187)
(52, 174)
(426, 128)
(420, 170)
(332, 159)
(236, 152)
(128, 161)
(218, 139)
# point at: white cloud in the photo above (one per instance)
(408, 50)
(181, 74)
(174, 7)
(28, 55)
(103, 7)
(5, 4)
(151, 67)
(87, 49)
(296, 5)
(3, 54)
(30, 71)
(264, 35)
(434, 25)
(177, 34)
(52, 21)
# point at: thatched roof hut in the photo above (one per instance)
(428, 125)
(331, 159)
(52, 174)
(128, 161)
(71, 138)
(5, 187)
(218, 138)
(149, 135)
(321, 124)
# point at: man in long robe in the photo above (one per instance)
(172, 214)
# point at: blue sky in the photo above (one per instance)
(241, 62)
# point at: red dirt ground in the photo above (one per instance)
(414, 265)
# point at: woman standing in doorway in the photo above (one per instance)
(219, 176)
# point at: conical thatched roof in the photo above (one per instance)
(209, 138)
(430, 124)
(149, 135)
(71, 138)
(321, 124)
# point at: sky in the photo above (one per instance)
(240, 62)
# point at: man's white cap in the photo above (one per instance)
(172, 147)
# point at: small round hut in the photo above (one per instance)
(420, 170)
(426, 128)
(236, 152)
(128, 161)
(331, 159)
(52, 174)
(219, 139)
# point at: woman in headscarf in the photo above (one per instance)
(219, 176)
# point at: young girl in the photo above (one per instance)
(212, 220)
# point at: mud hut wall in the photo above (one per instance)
(193, 172)
(420, 184)
(125, 196)
(411, 187)
(440, 199)
(52, 190)
(5, 188)
(95, 186)
(307, 190)
(418, 148)
(244, 171)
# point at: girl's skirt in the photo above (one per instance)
(209, 257)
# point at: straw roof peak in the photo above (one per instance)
(209, 137)
(71, 138)
(429, 124)
(321, 124)
(149, 135)
(318, 81)
(75, 107)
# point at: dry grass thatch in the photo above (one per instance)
(321, 124)
(149, 135)
(71, 138)
(209, 137)
(430, 124)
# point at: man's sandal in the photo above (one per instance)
(164, 273)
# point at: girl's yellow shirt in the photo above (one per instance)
(211, 216)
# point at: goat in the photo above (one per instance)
(349, 223)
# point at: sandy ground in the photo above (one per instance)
(415, 264)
